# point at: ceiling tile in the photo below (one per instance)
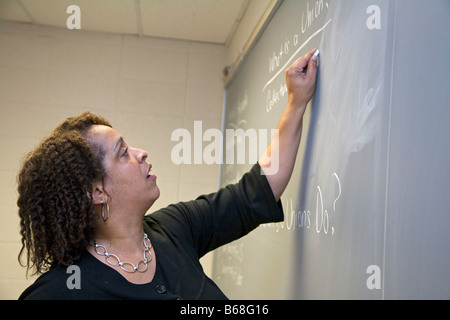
(12, 11)
(116, 16)
(48, 12)
(198, 20)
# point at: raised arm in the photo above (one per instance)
(301, 83)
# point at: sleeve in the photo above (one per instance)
(219, 218)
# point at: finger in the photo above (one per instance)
(300, 66)
(302, 62)
(310, 54)
(306, 57)
(311, 72)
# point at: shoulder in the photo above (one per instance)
(174, 219)
(51, 285)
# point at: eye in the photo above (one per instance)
(125, 153)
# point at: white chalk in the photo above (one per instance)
(316, 53)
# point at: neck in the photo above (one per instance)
(121, 236)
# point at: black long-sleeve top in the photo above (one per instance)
(180, 234)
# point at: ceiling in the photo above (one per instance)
(212, 21)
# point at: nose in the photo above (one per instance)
(141, 155)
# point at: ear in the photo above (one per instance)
(97, 193)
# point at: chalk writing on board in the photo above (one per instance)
(363, 123)
(275, 94)
(312, 13)
(318, 218)
(230, 261)
(322, 221)
(236, 114)
(275, 59)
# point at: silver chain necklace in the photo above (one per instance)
(126, 266)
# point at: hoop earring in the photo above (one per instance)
(103, 211)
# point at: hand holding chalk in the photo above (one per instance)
(301, 79)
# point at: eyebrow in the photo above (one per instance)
(118, 143)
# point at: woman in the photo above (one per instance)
(83, 195)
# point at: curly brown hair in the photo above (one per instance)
(55, 203)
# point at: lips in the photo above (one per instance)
(149, 175)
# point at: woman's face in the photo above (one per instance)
(128, 182)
